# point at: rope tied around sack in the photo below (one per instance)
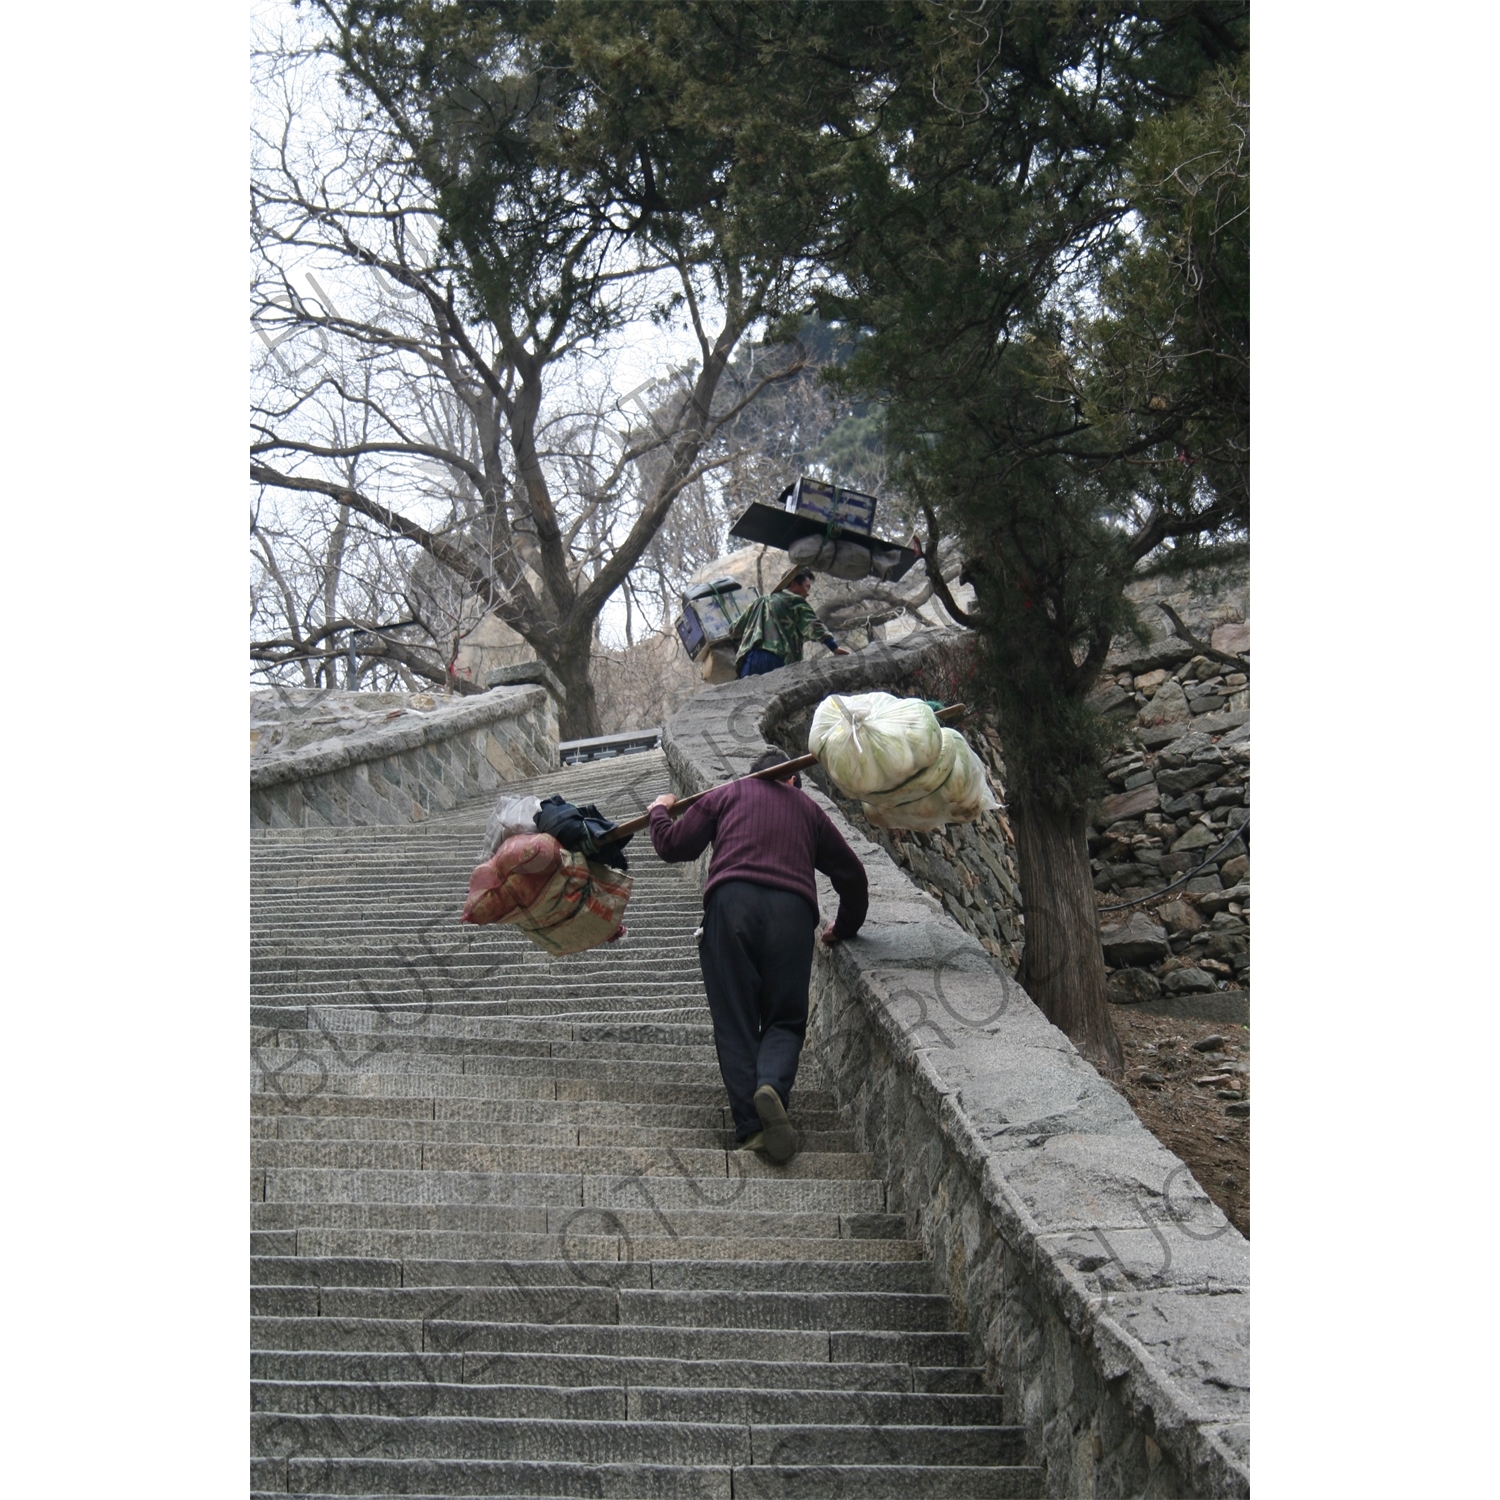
(852, 720)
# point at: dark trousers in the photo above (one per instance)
(758, 662)
(757, 959)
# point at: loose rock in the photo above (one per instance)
(1179, 916)
(1129, 804)
(1169, 706)
(1136, 941)
(1197, 837)
(1218, 900)
(1130, 986)
(1191, 981)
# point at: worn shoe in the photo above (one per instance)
(780, 1142)
(754, 1142)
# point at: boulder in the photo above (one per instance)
(1236, 869)
(1175, 783)
(1224, 796)
(1197, 837)
(1166, 652)
(1176, 807)
(1179, 916)
(1189, 982)
(1169, 706)
(1148, 682)
(1181, 750)
(1129, 986)
(1110, 697)
(1233, 638)
(1153, 737)
(1130, 804)
(1217, 723)
(1215, 901)
(1136, 941)
(1173, 865)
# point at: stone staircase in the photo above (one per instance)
(501, 1244)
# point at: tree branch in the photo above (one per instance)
(935, 572)
(1184, 634)
(455, 559)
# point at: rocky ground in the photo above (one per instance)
(1189, 1082)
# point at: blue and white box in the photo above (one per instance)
(820, 501)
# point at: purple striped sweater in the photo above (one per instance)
(770, 833)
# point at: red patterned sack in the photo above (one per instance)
(514, 880)
(558, 899)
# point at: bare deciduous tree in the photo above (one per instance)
(485, 438)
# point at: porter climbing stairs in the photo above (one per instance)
(501, 1243)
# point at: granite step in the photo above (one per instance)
(550, 1481)
(618, 1403)
(390, 1041)
(713, 1162)
(727, 1224)
(613, 1112)
(642, 1340)
(598, 1442)
(596, 1370)
(582, 1302)
(659, 1194)
(789, 1276)
(304, 1128)
(625, 1248)
(418, 1479)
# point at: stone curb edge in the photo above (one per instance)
(315, 760)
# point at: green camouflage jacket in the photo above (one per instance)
(779, 623)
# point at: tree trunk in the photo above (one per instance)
(1062, 965)
(578, 718)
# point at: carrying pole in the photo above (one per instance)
(947, 715)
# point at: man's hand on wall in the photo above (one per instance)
(830, 937)
(842, 651)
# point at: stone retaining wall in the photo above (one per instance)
(416, 764)
(1106, 1293)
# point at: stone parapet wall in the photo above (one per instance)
(969, 868)
(1106, 1293)
(406, 769)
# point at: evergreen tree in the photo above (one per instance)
(1052, 262)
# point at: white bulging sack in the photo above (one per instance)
(926, 782)
(815, 552)
(960, 798)
(840, 559)
(871, 742)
